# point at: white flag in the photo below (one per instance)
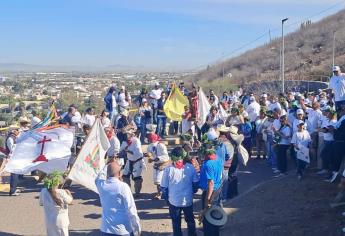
(45, 150)
(203, 108)
(90, 159)
(223, 114)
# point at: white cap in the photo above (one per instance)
(299, 111)
(156, 84)
(336, 68)
(300, 122)
(123, 87)
(144, 100)
(252, 98)
(264, 95)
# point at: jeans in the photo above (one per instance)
(271, 155)
(13, 183)
(175, 215)
(161, 125)
(143, 130)
(112, 115)
(281, 150)
(225, 184)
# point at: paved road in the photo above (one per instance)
(22, 215)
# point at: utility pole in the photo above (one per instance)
(333, 49)
(283, 49)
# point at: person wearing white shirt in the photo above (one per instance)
(260, 143)
(300, 139)
(89, 117)
(119, 212)
(284, 133)
(327, 152)
(158, 155)
(55, 202)
(114, 148)
(154, 96)
(337, 84)
(35, 119)
(9, 145)
(179, 182)
(135, 162)
(105, 121)
(296, 121)
(253, 109)
(274, 104)
(123, 99)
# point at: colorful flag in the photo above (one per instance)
(50, 118)
(45, 150)
(203, 108)
(90, 159)
(174, 105)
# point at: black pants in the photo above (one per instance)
(175, 215)
(282, 157)
(13, 183)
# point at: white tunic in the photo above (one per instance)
(56, 217)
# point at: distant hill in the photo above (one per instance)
(308, 55)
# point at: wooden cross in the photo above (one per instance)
(42, 157)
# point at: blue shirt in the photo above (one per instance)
(211, 170)
(180, 184)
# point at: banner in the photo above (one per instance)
(174, 105)
(90, 159)
(203, 108)
(303, 153)
(45, 150)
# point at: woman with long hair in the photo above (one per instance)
(55, 202)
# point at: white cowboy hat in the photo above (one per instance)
(223, 128)
(124, 112)
(216, 216)
(238, 138)
(24, 119)
(212, 134)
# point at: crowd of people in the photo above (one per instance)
(306, 129)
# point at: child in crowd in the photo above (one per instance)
(301, 141)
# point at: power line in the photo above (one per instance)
(269, 33)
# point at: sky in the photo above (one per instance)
(157, 34)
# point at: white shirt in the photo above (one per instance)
(253, 110)
(89, 119)
(114, 146)
(35, 120)
(328, 136)
(55, 216)
(337, 84)
(180, 184)
(114, 104)
(301, 138)
(159, 151)
(122, 99)
(155, 94)
(119, 213)
(106, 122)
(314, 118)
(134, 147)
(286, 131)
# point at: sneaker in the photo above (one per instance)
(322, 172)
(299, 177)
(15, 193)
(276, 171)
(334, 177)
(279, 175)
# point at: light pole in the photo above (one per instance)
(333, 49)
(223, 65)
(283, 49)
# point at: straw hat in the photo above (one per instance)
(216, 216)
(124, 112)
(238, 138)
(24, 119)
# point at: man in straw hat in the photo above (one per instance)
(135, 163)
(179, 182)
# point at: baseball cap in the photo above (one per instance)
(300, 122)
(299, 111)
(336, 68)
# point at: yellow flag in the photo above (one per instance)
(174, 105)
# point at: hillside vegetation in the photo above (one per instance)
(308, 56)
